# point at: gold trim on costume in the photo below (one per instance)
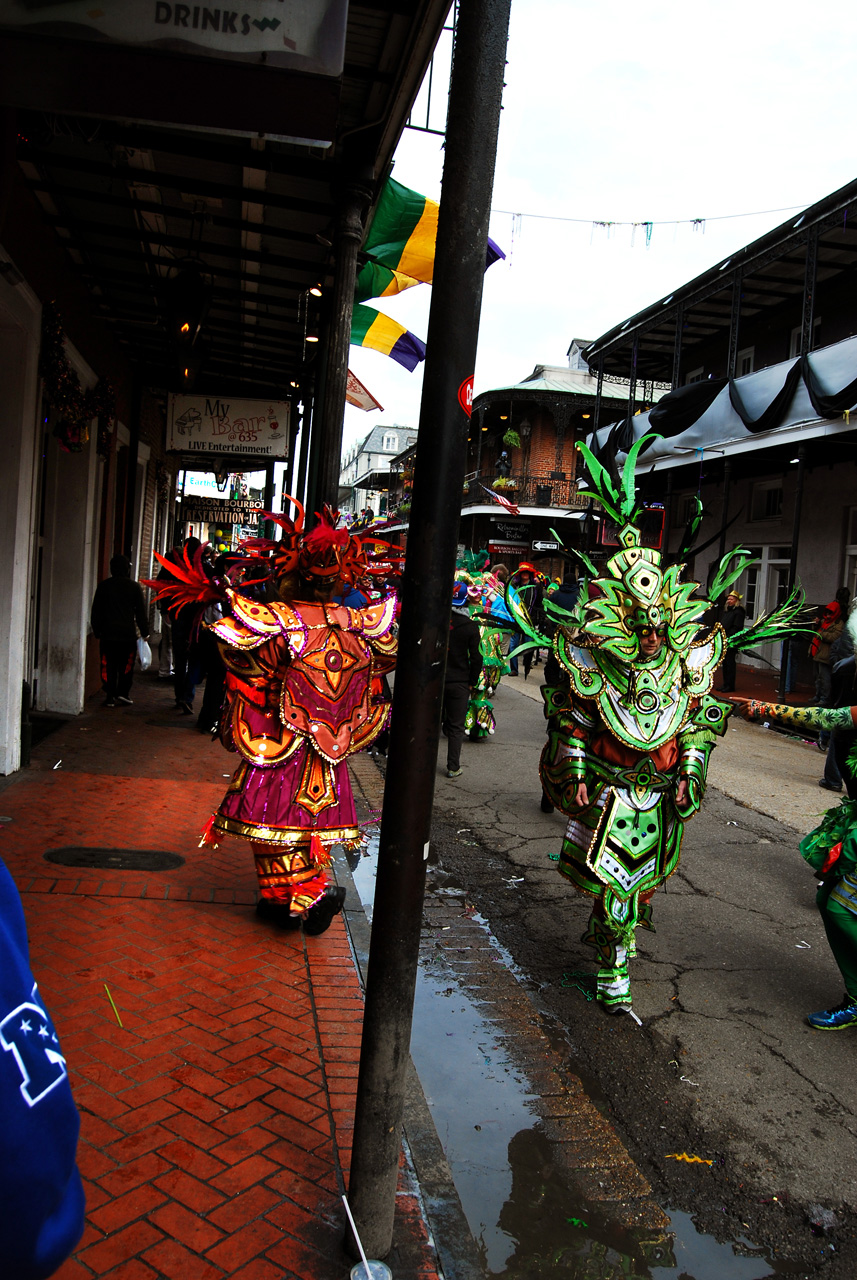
(283, 836)
(317, 788)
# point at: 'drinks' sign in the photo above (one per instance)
(221, 424)
(306, 35)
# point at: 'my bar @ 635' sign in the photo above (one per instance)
(219, 424)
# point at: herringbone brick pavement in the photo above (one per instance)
(217, 1119)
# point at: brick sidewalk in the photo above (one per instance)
(217, 1119)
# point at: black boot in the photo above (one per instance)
(319, 916)
(277, 912)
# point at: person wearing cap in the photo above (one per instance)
(524, 582)
(463, 667)
(732, 622)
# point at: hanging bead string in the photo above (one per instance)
(75, 407)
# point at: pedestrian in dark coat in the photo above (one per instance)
(463, 667)
(732, 622)
(118, 614)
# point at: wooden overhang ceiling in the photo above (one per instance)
(772, 272)
(131, 202)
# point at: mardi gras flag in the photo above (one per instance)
(403, 234)
(376, 281)
(370, 328)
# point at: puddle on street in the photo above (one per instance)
(523, 1216)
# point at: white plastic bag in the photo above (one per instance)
(144, 654)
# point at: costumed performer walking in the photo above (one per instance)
(633, 722)
(831, 851)
(299, 673)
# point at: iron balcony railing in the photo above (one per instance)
(525, 491)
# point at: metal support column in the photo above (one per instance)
(679, 327)
(596, 414)
(299, 490)
(476, 88)
(668, 507)
(328, 444)
(734, 325)
(269, 496)
(128, 522)
(808, 313)
(632, 382)
(787, 644)
(724, 519)
(480, 414)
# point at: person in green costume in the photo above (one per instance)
(831, 851)
(632, 722)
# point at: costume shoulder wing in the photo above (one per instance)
(376, 619)
(232, 633)
(259, 618)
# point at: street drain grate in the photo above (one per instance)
(115, 859)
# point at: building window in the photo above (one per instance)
(744, 362)
(695, 375)
(794, 341)
(686, 508)
(391, 443)
(767, 500)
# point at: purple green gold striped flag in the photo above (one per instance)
(370, 328)
(376, 281)
(403, 234)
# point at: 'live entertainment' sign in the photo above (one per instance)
(224, 425)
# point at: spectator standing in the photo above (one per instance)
(463, 666)
(829, 630)
(733, 621)
(524, 582)
(118, 612)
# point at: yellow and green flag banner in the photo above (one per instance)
(376, 281)
(399, 253)
(370, 328)
(403, 234)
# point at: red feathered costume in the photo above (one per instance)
(299, 703)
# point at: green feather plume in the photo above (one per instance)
(783, 623)
(620, 503)
(727, 572)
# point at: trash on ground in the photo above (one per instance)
(58, 763)
(820, 1219)
(690, 1082)
(112, 1005)
(682, 1155)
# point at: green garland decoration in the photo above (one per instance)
(75, 407)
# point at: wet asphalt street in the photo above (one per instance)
(724, 1066)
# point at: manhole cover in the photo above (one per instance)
(115, 859)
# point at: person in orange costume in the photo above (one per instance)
(298, 704)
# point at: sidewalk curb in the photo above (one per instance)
(451, 1235)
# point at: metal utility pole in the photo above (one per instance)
(471, 143)
(328, 447)
(787, 643)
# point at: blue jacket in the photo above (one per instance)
(41, 1194)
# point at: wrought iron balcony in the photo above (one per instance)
(525, 491)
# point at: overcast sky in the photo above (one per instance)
(620, 111)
